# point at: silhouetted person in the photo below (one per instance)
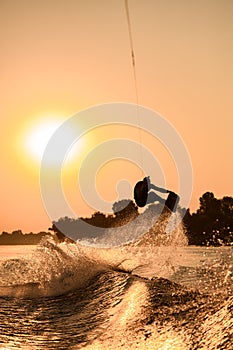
(143, 195)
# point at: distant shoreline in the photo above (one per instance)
(26, 239)
(20, 238)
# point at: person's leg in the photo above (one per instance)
(153, 197)
(156, 188)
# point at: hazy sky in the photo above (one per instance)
(61, 56)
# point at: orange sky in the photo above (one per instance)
(59, 57)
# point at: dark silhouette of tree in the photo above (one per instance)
(226, 217)
(99, 219)
(124, 210)
(18, 237)
(67, 227)
(212, 224)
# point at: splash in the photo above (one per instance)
(156, 226)
(153, 253)
(51, 270)
(55, 269)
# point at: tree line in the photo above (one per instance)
(211, 224)
(124, 211)
(18, 237)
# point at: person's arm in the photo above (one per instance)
(160, 189)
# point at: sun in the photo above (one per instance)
(38, 137)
